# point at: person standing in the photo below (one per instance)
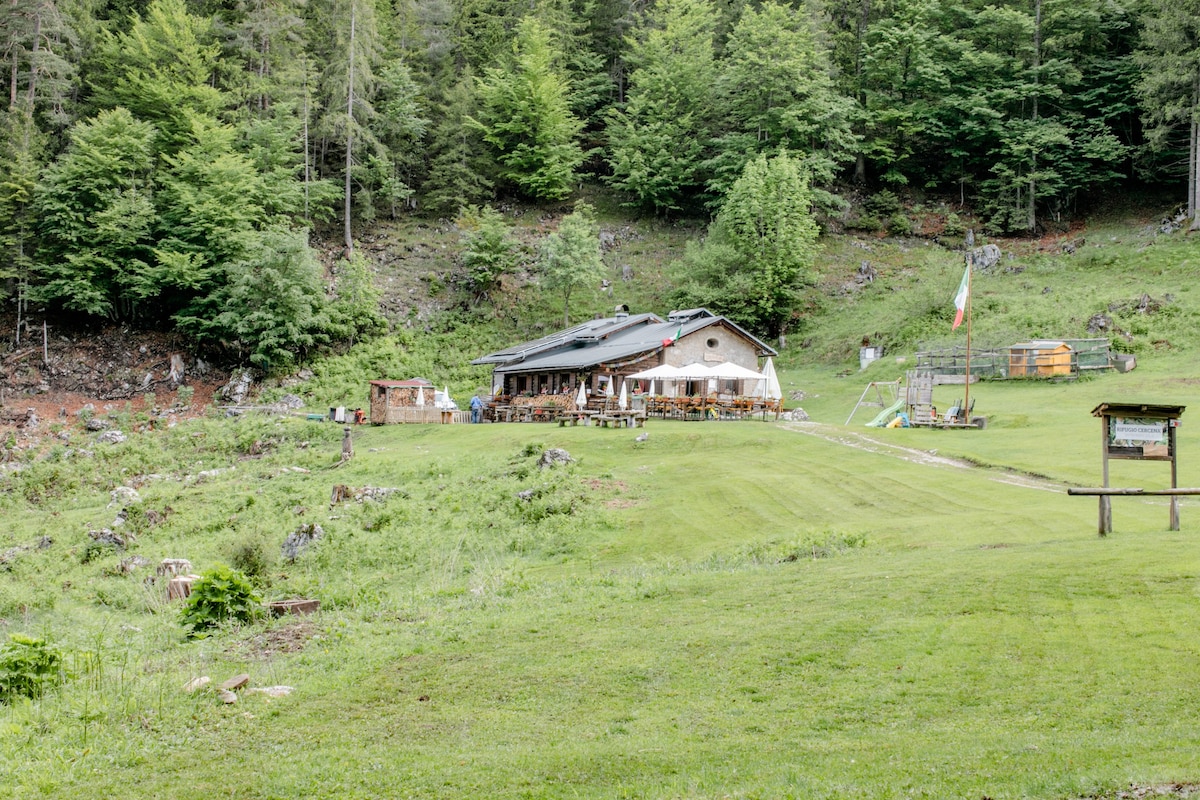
(476, 408)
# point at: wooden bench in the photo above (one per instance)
(622, 419)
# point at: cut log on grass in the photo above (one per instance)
(281, 608)
(181, 586)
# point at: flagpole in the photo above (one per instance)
(967, 384)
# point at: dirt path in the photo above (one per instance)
(912, 455)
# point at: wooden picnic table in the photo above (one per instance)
(575, 417)
(621, 419)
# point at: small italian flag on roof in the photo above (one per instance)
(675, 338)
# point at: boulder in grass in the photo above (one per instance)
(299, 540)
(553, 457)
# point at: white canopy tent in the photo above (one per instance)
(729, 371)
(695, 372)
(736, 372)
(661, 372)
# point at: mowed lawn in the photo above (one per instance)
(729, 610)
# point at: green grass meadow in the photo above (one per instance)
(739, 609)
(724, 610)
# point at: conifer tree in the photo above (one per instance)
(525, 117)
(1170, 86)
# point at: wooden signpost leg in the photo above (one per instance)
(1105, 501)
(1174, 476)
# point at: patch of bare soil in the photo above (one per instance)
(288, 637)
(51, 378)
(598, 484)
(615, 487)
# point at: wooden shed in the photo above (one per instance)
(412, 400)
(1040, 358)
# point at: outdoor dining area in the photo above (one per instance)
(724, 391)
(695, 392)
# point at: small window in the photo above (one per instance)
(712, 344)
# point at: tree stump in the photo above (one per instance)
(181, 586)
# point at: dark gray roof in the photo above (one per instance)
(584, 333)
(605, 341)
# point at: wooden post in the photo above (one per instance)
(1174, 455)
(1135, 431)
(967, 371)
(1105, 500)
(347, 444)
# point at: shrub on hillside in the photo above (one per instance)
(220, 595)
(250, 556)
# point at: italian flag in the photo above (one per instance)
(675, 338)
(960, 299)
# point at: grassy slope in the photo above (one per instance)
(744, 610)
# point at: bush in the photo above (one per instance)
(954, 225)
(28, 667)
(250, 556)
(220, 595)
(882, 204)
(899, 225)
(865, 223)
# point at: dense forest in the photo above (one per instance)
(164, 161)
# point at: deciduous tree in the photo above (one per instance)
(760, 250)
(489, 250)
(660, 139)
(570, 258)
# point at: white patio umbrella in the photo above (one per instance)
(773, 390)
(623, 400)
(581, 398)
(446, 394)
(421, 395)
(608, 390)
(651, 391)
